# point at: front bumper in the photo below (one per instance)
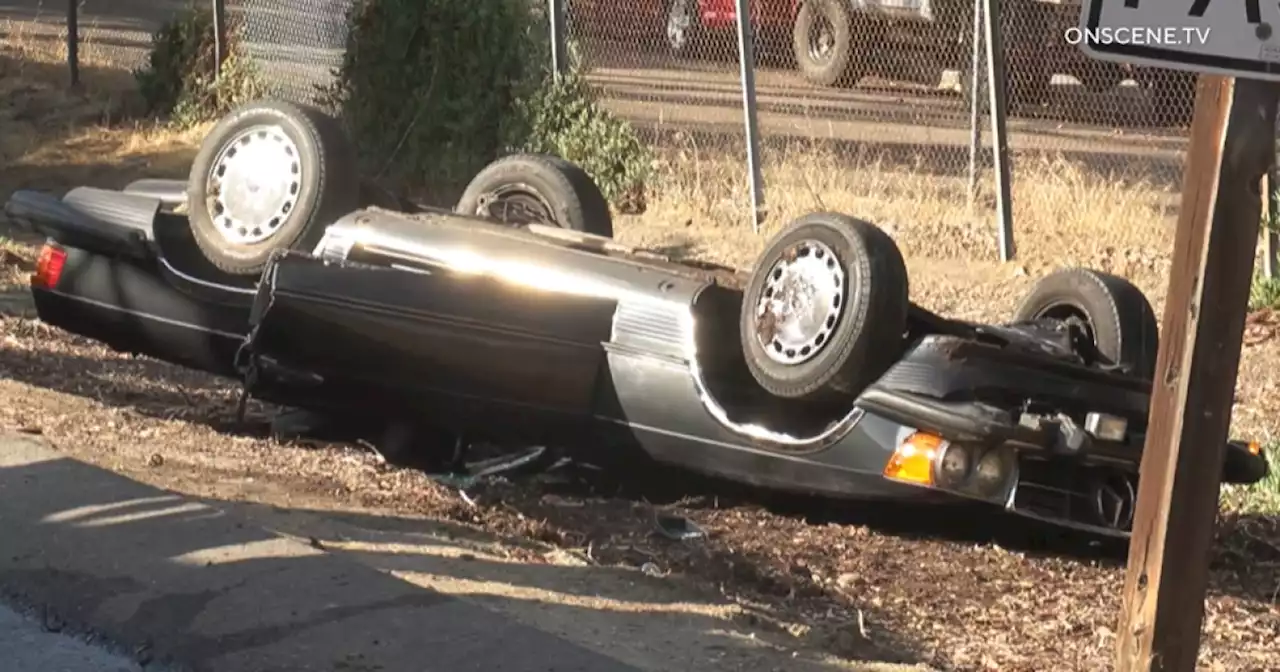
(962, 392)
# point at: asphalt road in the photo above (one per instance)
(300, 40)
(29, 646)
(193, 586)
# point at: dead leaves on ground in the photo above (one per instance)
(866, 590)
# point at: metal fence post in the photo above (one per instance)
(559, 41)
(73, 40)
(975, 103)
(219, 35)
(747, 71)
(999, 141)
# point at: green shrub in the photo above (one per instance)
(179, 80)
(432, 90)
(565, 118)
(1264, 292)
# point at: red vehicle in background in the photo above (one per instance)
(838, 42)
(691, 24)
(831, 42)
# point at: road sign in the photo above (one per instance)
(1225, 37)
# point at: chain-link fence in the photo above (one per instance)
(847, 70)
(865, 81)
(112, 34)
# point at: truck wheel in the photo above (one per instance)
(1113, 312)
(1173, 96)
(538, 189)
(270, 175)
(684, 31)
(825, 310)
(822, 42)
(1100, 77)
(1024, 89)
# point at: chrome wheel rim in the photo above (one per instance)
(802, 302)
(678, 23)
(254, 185)
(822, 39)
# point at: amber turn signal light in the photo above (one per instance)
(913, 460)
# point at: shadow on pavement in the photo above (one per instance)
(201, 583)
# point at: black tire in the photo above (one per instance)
(324, 185)
(1100, 76)
(538, 188)
(1118, 316)
(860, 340)
(839, 66)
(1028, 82)
(1173, 96)
(1020, 93)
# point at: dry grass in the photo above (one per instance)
(1063, 216)
(56, 136)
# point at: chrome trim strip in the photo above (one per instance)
(205, 283)
(794, 456)
(148, 316)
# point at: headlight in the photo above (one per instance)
(954, 467)
(1106, 427)
(992, 472)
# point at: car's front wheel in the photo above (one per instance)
(825, 310)
(1112, 313)
(270, 175)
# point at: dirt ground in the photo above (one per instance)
(949, 589)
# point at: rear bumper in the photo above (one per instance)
(130, 308)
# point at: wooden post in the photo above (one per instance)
(1232, 146)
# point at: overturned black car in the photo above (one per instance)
(517, 318)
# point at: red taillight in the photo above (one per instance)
(49, 266)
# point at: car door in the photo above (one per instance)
(439, 341)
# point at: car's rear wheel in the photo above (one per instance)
(538, 189)
(825, 310)
(270, 175)
(1113, 313)
(823, 43)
